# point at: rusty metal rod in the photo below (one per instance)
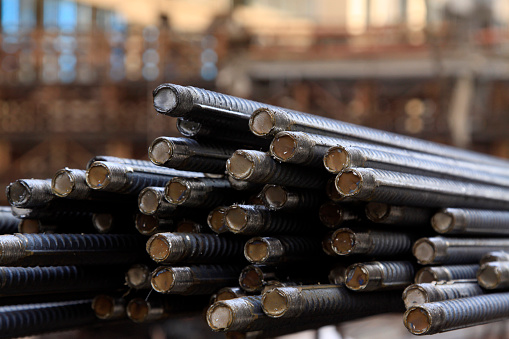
(446, 273)
(379, 275)
(423, 293)
(408, 216)
(471, 221)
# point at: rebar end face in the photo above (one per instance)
(103, 306)
(489, 276)
(357, 277)
(251, 279)
(331, 214)
(283, 147)
(274, 303)
(377, 211)
(138, 310)
(219, 317)
(336, 159)
(165, 100)
(176, 191)
(413, 295)
(256, 250)
(343, 241)
(262, 122)
(158, 248)
(148, 201)
(163, 280)
(417, 320)
(98, 176)
(137, 276)
(442, 222)
(274, 196)
(349, 183)
(424, 275)
(146, 224)
(102, 222)
(63, 183)
(236, 219)
(18, 193)
(424, 251)
(240, 165)
(160, 151)
(29, 226)
(216, 220)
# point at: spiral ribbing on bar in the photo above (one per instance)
(276, 197)
(417, 294)
(27, 193)
(466, 221)
(377, 275)
(274, 250)
(398, 215)
(446, 272)
(8, 222)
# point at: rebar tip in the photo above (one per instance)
(357, 277)
(158, 248)
(274, 196)
(98, 176)
(240, 165)
(274, 303)
(29, 226)
(148, 201)
(424, 251)
(219, 317)
(160, 151)
(216, 220)
(176, 191)
(165, 99)
(146, 224)
(489, 276)
(137, 276)
(348, 183)
(251, 279)
(18, 193)
(102, 222)
(442, 222)
(256, 250)
(336, 159)
(262, 122)
(343, 241)
(417, 320)
(283, 147)
(331, 214)
(62, 183)
(228, 293)
(137, 310)
(377, 211)
(425, 275)
(163, 279)
(236, 218)
(414, 295)
(104, 306)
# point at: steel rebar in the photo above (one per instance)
(494, 256)
(446, 273)
(423, 293)
(379, 275)
(138, 276)
(200, 192)
(108, 307)
(151, 201)
(27, 193)
(470, 221)
(280, 198)
(282, 249)
(398, 215)
(334, 214)
(150, 225)
(494, 275)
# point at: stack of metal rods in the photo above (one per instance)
(274, 220)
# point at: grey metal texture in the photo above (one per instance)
(494, 256)
(417, 294)
(8, 222)
(471, 221)
(494, 275)
(456, 250)
(282, 249)
(192, 155)
(125, 161)
(446, 273)
(454, 314)
(53, 279)
(379, 275)
(398, 215)
(284, 120)
(200, 248)
(31, 319)
(415, 190)
(294, 199)
(197, 279)
(69, 249)
(322, 300)
(164, 208)
(266, 170)
(138, 276)
(29, 193)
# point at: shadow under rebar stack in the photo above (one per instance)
(277, 221)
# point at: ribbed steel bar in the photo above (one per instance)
(190, 155)
(125, 161)
(448, 315)
(379, 275)
(109, 307)
(138, 276)
(471, 221)
(8, 222)
(334, 214)
(446, 273)
(494, 256)
(494, 275)
(228, 293)
(423, 293)
(152, 308)
(69, 249)
(281, 249)
(61, 226)
(280, 198)
(194, 279)
(29, 193)
(151, 201)
(269, 122)
(216, 220)
(414, 190)
(190, 226)
(201, 192)
(408, 216)
(150, 225)
(442, 250)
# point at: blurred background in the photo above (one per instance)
(76, 76)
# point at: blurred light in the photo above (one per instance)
(416, 14)
(67, 62)
(66, 76)
(150, 72)
(150, 33)
(67, 16)
(356, 16)
(10, 15)
(10, 63)
(208, 55)
(208, 71)
(414, 108)
(150, 56)
(10, 44)
(208, 41)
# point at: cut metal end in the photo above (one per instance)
(240, 165)
(283, 147)
(138, 276)
(63, 183)
(349, 183)
(357, 277)
(138, 310)
(219, 317)
(275, 303)
(336, 159)
(274, 196)
(228, 293)
(417, 320)
(262, 122)
(332, 192)
(107, 307)
(163, 279)
(343, 241)
(102, 222)
(425, 275)
(160, 151)
(158, 248)
(251, 279)
(236, 218)
(177, 191)
(98, 176)
(424, 251)
(146, 224)
(165, 99)
(377, 211)
(18, 193)
(216, 220)
(29, 226)
(148, 201)
(256, 250)
(414, 295)
(443, 222)
(489, 276)
(331, 214)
